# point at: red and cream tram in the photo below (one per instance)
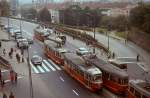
(139, 89)
(88, 75)
(41, 34)
(114, 78)
(54, 50)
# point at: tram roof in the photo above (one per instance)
(80, 62)
(103, 65)
(141, 86)
(53, 46)
(40, 30)
(123, 60)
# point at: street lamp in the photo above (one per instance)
(20, 23)
(30, 74)
(93, 24)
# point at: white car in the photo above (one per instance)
(36, 60)
(22, 43)
(82, 51)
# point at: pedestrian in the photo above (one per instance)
(137, 58)
(16, 77)
(0, 44)
(2, 83)
(0, 75)
(12, 77)
(22, 60)
(10, 54)
(4, 52)
(4, 95)
(11, 95)
(22, 51)
(18, 57)
(11, 50)
(113, 55)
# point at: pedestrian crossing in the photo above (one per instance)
(47, 66)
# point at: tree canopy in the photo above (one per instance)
(140, 17)
(44, 15)
(4, 6)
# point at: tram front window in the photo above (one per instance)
(97, 78)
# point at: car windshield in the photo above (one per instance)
(36, 58)
(83, 49)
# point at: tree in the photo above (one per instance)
(44, 15)
(5, 8)
(140, 17)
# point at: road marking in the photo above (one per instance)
(34, 68)
(58, 68)
(75, 92)
(45, 67)
(4, 71)
(40, 68)
(10, 80)
(61, 79)
(49, 65)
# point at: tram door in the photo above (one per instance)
(88, 79)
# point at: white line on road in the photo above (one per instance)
(40, 68)
(45, 67)
(33, 67)
(61, 79)
(49, 65)
(58, 68)
(10, 80)
(75, 92)
(4, 71)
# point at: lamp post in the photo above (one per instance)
(21, 24)
(30, 74)
(93, 24)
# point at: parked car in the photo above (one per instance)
(22, 43)
(30, 41)
(82, 51)
(36, 60)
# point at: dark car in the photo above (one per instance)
(36, 60)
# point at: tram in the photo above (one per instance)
(114, 78)
(139, 89)
(88, 75)
(53, 49)
(41, 34)
(122, 62)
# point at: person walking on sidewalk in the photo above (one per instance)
(2, 83)
(16, 77)
(4, 95)
(0, 44)
(0, 75)
(137, 58)
(11, 95)
(4, 52)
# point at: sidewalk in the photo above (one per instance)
(20, 68)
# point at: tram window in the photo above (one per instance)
(97, 77)
(132, 89)
(144, 97)
(125, 81)
(137, 94)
